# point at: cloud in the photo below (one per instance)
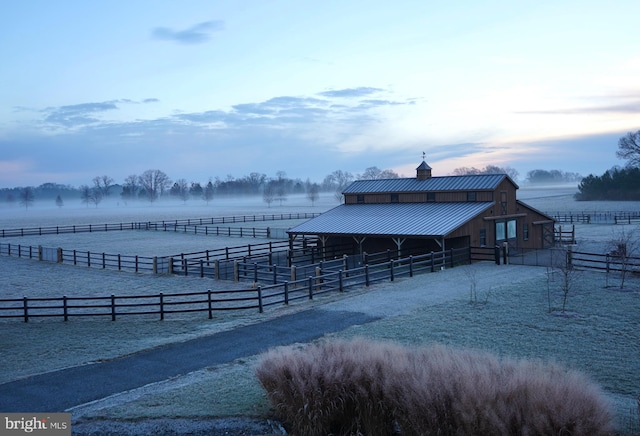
(351, 92)
(82, 114)
(197, 34)
(77, 114)
(608, 105)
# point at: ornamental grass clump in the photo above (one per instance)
(375, 388)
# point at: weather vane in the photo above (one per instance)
(423, 155)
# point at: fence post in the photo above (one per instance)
(410, 266)
(88, 259)
(161, 306)
(286, 293)
(155, 264)
(25, 305)
(366, 275)
(391, 270)
(201, 268)
(275, 274)
(40, 252)
(496, 254)
(505, 253)
(59, 254)
(432, 266)
(217, 269)
(451, 258)
(236, 271)
(340, 288)
(293, 273)
(64, 308)
(113, 307)
(104, 263)
(185, 267)
(260, 308)
(170, 266)
(318, 278)
(209, 303)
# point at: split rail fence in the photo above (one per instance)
(329, 277)
(206, 226)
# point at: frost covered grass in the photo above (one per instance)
(599, 334)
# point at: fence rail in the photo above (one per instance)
(194, 225)
(258, 297)
(619, 217)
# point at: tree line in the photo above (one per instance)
(617, 183)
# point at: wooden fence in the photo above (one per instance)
(620, 217)
(207, 226)
(160, 305)
(605, 262)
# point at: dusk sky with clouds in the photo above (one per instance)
(203, 88)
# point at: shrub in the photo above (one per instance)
(360, 386)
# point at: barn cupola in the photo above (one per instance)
(423, 171)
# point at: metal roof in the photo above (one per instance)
(477, 182)
(393, 219)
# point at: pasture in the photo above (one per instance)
(599, 334)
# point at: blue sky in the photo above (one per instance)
(208, 88)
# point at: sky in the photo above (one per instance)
(202, 89)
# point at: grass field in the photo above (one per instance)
(599, 334)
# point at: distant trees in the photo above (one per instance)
(102, 184)
(130, 188)
(90, 195)
(489, 169)
(615, 184)
(269, 193)
(313, 193)
(629, 148)
(180, 189)
(337, 181)
(375, 173)
(207, 193)
(27, 197)
(550, 177)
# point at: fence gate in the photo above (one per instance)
(548, 235)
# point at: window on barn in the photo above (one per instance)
(360, 198)
(525, 231)
(431, 196)
(501, 231)
(511, 229)
(483, 237)
(471, 196)
(395, 198)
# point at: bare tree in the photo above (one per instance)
(313, 193)
(27, 197)
(154, 183)
(375, 173)
(562, 260)
(623, 247)
(629, 148)
(337, 181)
(103, 184)
(59, 201)
(269, 193)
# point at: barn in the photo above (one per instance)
(426, 213)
